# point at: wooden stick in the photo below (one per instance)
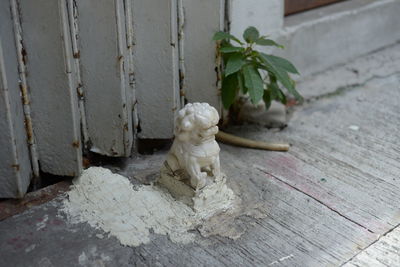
(244, 142)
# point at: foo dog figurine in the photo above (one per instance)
(194, 149)
(191, 171)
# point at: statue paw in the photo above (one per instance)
(200, 181)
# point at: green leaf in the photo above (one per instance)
(231, 49)
(234, 64)
(241, 83)
(254, 83)
(280, 74)
(229, 90)
(296, 94)
(267, 99)
(274, 90)
(282, 97)
(281, 63)
(251, 34)
(218, 36)
(268, 42)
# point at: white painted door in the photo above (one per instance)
(97, 75)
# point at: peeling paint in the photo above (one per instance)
(42, 223)
(73, 21)
(76, 144)
(15, 166)
(22, 60)
(181, 51)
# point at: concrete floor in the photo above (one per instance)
(332, 200)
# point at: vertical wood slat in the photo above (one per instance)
(103, 58)
(15, 166)
(74, 28)
(24, 87)
(52, 83)
(131, 92)
(156, 66)
(202, 20)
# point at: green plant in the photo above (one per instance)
(245, 69)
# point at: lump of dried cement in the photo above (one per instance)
(110, 202)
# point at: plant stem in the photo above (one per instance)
(243, 142)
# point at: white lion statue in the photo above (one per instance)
(194, 154)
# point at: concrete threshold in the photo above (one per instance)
(318, 39)
(382, 65)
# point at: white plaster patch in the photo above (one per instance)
(100, 236)
(45, 262)
(110, 202)
(83, 259)
(30, 248)
(42, 224)
(104, 257)
(281, 260)
(354, 127)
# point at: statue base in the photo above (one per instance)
(214, 198)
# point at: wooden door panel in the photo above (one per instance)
(295, 6)
(52, 84)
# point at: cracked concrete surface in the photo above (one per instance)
(380, 64)
(333, 199)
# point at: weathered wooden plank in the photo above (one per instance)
(345, 155)
(104, 68)
(54, 103)
(14, 158)
(156, 66)
(11, 207)
(24, 87)
(15, 165)
(202, 20)
(385, 252)
(296, 231)
(130, 67)
(74, 28)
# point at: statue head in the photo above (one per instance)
(196, 123)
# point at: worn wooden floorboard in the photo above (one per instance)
(322, 203)
(354, 172)
(10, 207)
(385, 252)
(296, 229)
